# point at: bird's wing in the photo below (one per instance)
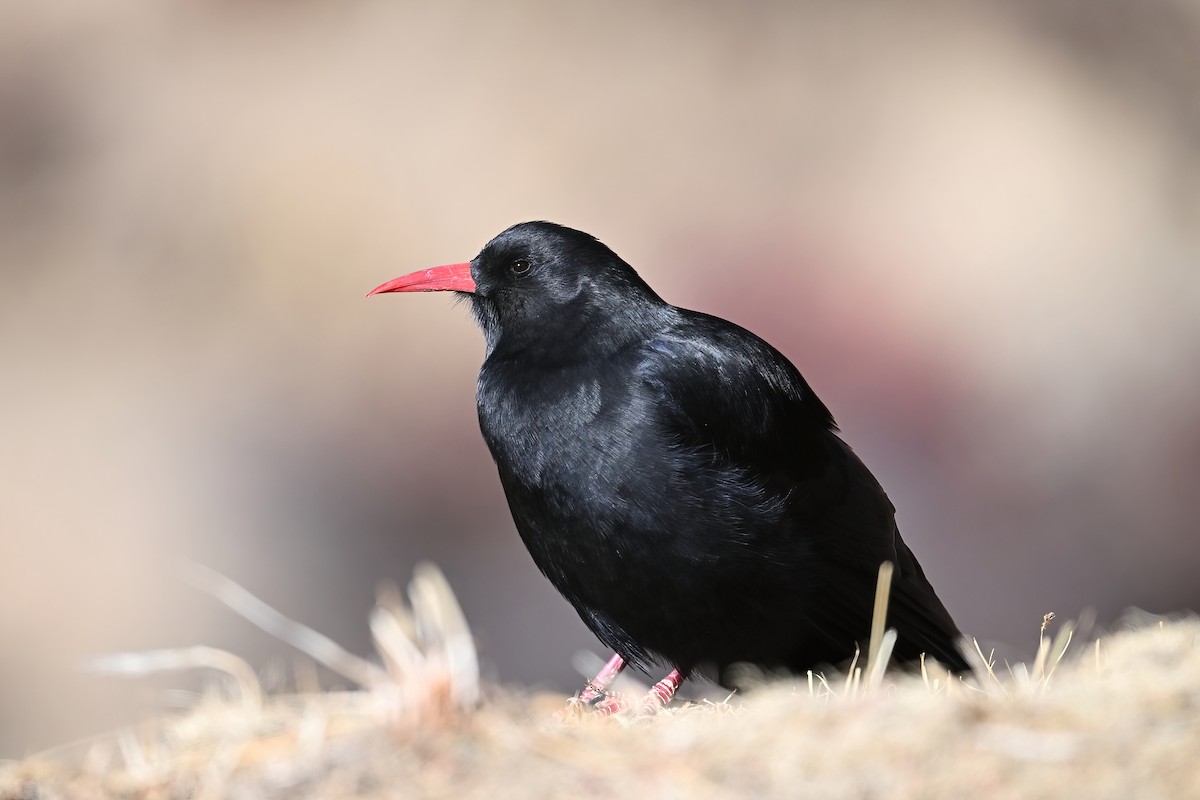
(733, 401)
(721, 386)
(724, 392)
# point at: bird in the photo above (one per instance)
(674, 476)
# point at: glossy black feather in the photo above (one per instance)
(675, 477)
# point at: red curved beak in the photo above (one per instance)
(447, 278)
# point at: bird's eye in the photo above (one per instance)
(520, 266)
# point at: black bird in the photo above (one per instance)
(673, 475)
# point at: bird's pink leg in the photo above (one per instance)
(606, 703)
(597, 687)
(661, 693)
(654, 701)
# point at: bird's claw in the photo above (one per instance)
(612, 703)
(652, 703)
(603, 706)
(606, 704)
(574, 709)
(650, 707)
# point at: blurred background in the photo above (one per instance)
(973, 225)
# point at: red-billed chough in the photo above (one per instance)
(673, 475)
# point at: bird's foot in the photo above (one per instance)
(605, 703)
(613, 703)
(591, 693)
(654, 701)
(601, 705)
(595, 693)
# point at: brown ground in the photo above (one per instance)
(1116, 717)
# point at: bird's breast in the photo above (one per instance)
(544, 430)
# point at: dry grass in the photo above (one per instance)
(1118, 717)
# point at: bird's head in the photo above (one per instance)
(537, 280)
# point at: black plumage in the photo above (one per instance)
(672, 474)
